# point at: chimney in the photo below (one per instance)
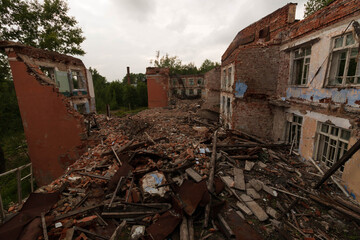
(128, 75)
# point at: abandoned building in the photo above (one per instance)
(53, 91)
(162, 87)
(298, 82)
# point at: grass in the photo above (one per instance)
(15, 152)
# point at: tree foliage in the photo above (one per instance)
(312, 6)
(43, 24)
(177, 67)
(120, 95)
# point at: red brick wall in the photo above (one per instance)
(258, 67)
(331, 14)
(54, 130)
(277, 22)
(212, 87)
(158, 87)
(253, 116)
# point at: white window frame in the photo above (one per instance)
(333, 80)
(332, 144)
(294, 131)
(304, 54)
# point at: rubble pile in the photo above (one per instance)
(168, 174)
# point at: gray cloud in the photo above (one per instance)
(129, 32)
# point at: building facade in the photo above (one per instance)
(53, 91)
(299, 84)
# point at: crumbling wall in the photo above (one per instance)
(54, 131)
(253, 116)
(212, 90)
(157, 86)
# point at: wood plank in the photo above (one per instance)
(244, 208)
(43, 223)
(253, 193)
(229, 182)
(239, 179)
(255, 208)
(193, 174)
(69, 234)
(117, 232)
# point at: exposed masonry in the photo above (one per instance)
(298, 82)
(163, 88)
(52, 90)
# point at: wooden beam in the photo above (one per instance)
(339, 163)
(43, 223)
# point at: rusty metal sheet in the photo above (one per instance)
(123, 171)
(192, 194)
(165, 225)
(241, 229)
(33, 207)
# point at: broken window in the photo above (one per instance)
(81, 108)
(229, 76)
(332, 144)
(77, 80)
(224, 79)
(294, 131)
(344, 68)
(228, 106)
(174, 81)
(191, 81)
(199, 92)
(49, 72)
(200, 81)
(301, 65)
(191, 91)
(223, 104)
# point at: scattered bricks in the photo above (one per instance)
(272, 212)
(253, 193)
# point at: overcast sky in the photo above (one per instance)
(122, 33)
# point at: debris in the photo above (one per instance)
(137, 232)
(239, 179)
(255, 208)
(249, 165)
(193, 174)
(150, 182)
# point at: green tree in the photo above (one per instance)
(44, 25)
(207, 65)
(312, 6)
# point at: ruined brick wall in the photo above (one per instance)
(54, 131)
(157, 86)
(253, 116)
(212, 90)
(268, 30)
(256, 69)
(328, 15)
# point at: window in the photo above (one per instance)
(332, 144)
(183, 92)
(344, 67)
(77, 80)
(191, 81)
(224, 79)
(294, 131)
(229, 77)
(49, 72)
(191, 91)
(174, 81)
(223, 104)
(200, 81)
(228, 106)
(179, 91)
(301, 64)
(199, 92)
